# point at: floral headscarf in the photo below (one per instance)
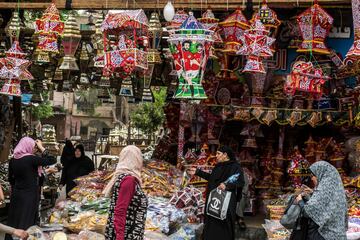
(327, 206)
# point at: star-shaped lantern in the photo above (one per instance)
(256, 45)
(233, 28)
(190, 47)
(306, 78)
(49, 27)
(315, 24)
(13, 69)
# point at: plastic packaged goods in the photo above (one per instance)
(35, 233)
(353, 232)
(275, 231)
(89, 235)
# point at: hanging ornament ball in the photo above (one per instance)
(169, 11)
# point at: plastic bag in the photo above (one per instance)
(35, 233)
(88, 235)
(353, 232)
(150, 235)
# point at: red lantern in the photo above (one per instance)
(126, 54)
(315, 24)
(305, 77)
(234, 27)
(49, 27)
(13, 68)
(256, 45)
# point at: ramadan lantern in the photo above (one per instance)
(354, 52)
(268, 17)
(234, 27)
(190, 47)
(14, 26)
(305, 78)
(13, 69)
(98, 42)
(48, 28)
(154, 57)
(126, 53)
(315, 24)
(70, 42)
(256, 45)
(179, 17)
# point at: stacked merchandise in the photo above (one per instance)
(87, 209)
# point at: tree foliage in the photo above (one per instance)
(42, 111)
(148, 117)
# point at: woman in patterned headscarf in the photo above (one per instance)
(325, 213)
(127, 213)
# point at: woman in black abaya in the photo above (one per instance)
(81, 165)
(25, 170)
(68, 153)
(225, 168)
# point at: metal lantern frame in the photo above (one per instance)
(190, 47)
(70, 41)
(125, 36)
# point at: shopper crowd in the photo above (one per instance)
(323, 214)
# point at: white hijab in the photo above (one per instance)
(130, 162)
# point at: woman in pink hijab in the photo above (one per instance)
(127, 213)
(25, 169)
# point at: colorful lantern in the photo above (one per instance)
(98, 42)
(14, 26)
(154, 57)
(354, 52)
(315, 24)
(13, 68)
(49, 27)
(256, 45)
(268, 17)
(209, 21)
(234, 27)
(125, 54)
(179, 18)
(190, 47)
(70, 41)
(305, 77)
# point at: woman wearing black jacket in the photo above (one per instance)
(25, 170)
(68, 153)
(225, 168)
(81, 165)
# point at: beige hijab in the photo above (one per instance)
(130, 162)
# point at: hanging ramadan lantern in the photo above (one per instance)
(84, 62)
(177, 21)
(354, 51)
(154, 57)
(49, 27)
(190, 48)
(125, 54)
(13, 69)
(305, 78)
(14, 26)
(209, 22)
(70, 41)
(256, 45)
(98, 42)
(234, 27)
(315, 24)
(268, 17)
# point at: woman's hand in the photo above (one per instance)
(40, 145)
(222, 187)
(20, 234)
(298, 198)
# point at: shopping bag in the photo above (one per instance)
(292, 214)
(218, 203)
